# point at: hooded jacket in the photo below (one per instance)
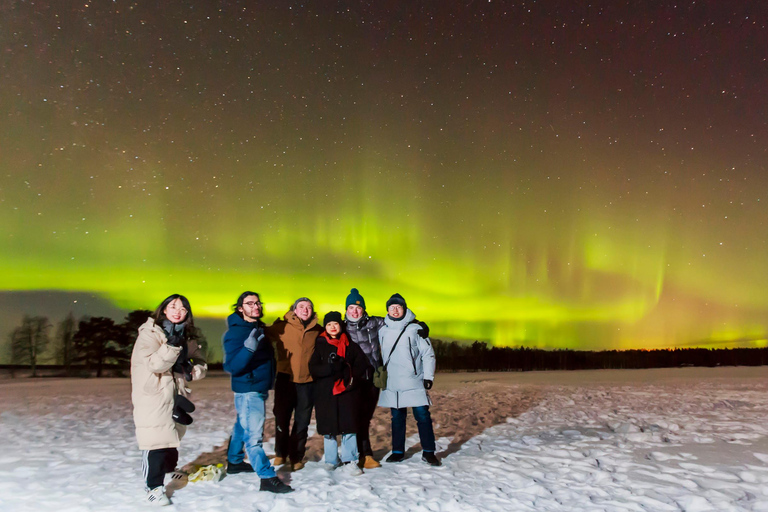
(250, 371)
(294, 344)
(411, 362)
(153, 386)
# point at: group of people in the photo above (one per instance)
(343, 369)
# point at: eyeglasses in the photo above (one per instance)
(251, 303)
(180, 310)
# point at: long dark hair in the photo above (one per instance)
(237, 305)
(159, 315)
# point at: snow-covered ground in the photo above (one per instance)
(657, 440)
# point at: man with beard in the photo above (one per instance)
(250, 360)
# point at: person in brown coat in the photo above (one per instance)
(165, 356)
(294, 338)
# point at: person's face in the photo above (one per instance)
(175, 311)
(333, 328)
(354, 311)
(252, 308)
(303, 310)
(395, 311)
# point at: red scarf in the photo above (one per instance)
(341, 349)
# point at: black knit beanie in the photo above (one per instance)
(332, 316)
(396, 299)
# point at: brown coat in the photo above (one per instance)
(154, 386)
(294, 345)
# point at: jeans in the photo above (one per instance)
(248, 433)
(348, 449)
(423, 422)
(297, 400)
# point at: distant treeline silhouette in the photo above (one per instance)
(99, 346)
(479, 356)
(92, 346)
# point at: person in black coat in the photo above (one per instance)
(336, 367)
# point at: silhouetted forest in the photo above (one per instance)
(453, 356)
(98, 346)
(94, 346)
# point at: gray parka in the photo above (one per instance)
(412, 362)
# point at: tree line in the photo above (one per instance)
(91, 345)
(479, 356)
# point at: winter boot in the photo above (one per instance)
(370, 463)
(431, 459)
(396, 457)
(278, 461)
(274, 485)
(240, 467)
(297, 466)
(157, 497)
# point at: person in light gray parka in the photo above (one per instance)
(410, 363)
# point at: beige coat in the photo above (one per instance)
(154, 386)
(294, 345)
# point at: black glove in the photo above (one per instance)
(175, 340)
(427, 384)
(423, 331)
(181, 409)
(336, 362)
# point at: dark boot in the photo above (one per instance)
(240, 467)
(431, 459)
(274, 485)
(396, 457)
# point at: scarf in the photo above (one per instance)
(341, 349)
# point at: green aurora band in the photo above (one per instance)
(510, 189)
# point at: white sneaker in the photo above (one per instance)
(329, 466)
(157, 497)
(351, 468)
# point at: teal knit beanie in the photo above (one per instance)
(355, 298)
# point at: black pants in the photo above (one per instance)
(156, 463)
(369, 397)
(297, 400)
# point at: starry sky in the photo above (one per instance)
(554, 174)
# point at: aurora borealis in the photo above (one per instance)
(551, 174)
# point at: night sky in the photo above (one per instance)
(551, 174)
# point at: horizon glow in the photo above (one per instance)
(522, 181)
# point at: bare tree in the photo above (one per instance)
(29, 340)
(65, 334)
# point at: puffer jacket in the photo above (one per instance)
(365, 332)
(153, 386)
(337, 414)
(294, 345)
(412, 362)
(250, 371)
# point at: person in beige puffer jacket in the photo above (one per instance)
(165, 350)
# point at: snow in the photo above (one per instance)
(689, 440)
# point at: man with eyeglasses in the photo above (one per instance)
(294, 337)
(250, 360)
